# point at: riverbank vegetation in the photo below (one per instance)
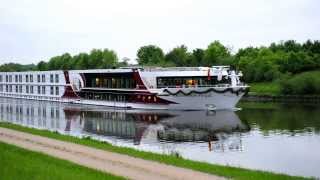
(18, 163)
(226, 171)
(279, 64)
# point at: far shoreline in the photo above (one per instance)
(254, 97)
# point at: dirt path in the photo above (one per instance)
(117, 164)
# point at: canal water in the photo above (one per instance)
(266, 136)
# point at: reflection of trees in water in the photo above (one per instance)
(287, 119)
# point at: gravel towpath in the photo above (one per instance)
(114, 163)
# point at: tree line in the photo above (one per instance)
(259, 64)
(96, 59)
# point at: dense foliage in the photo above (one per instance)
(10, 67)
(304, 83)
(269, 63)
(96, 59)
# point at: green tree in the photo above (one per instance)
(96, 59)
(179, 56)
(150, 55)
(197, 57)
(109, 59)
(65, 62)
(216, 54)
(42, 66)
(81, 61)
(11, 67)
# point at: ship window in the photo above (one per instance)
(123, 81)
(43, 77)
(10, 78)
(97, 82)
(31, 89)
(16, 78)
(31, 78)
(43, 90)
(203, 81)
(0, 78)
(27, 78)
(51, 90)
(39, 90)
(10, 88)
(17, 89)
(38, 78)
(51, 78)
(57, 78)
(57, 90)
(20, 89)
(27, 89)
(1, 88)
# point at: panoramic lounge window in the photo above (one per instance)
(113, 82)
(172, 82)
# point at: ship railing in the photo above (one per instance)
(195, 86)
(150, 69)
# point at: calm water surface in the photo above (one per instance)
(275, 137)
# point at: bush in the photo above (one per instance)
(300, 84)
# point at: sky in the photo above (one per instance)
(34, 30)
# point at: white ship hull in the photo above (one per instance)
(172, 89)
(207, 101)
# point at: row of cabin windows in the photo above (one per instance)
(54, 90)
(163, 82)
(126, 83)
(54, 78)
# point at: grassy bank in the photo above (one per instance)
(226, 171)
(302, 84)
(17, 163)
(264, 88)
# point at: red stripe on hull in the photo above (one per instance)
(137, 78)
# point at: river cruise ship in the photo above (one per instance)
(178, 88)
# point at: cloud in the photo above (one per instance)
(37, 30)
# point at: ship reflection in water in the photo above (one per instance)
(136, 126)
(274, 137)
(164, 126)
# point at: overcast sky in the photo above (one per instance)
(36, 30)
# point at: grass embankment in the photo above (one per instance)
(17, 163)
(302, 84)
(265, 88)
(226, 171)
